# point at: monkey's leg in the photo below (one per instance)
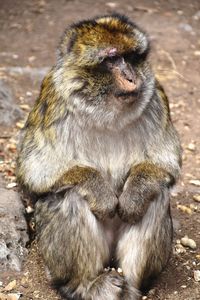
(74, 247)
(143, 249)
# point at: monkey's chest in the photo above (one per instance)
(111, 155)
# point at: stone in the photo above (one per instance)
(13, 231)
(9, 111)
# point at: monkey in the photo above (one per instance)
(100, 152)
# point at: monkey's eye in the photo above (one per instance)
(108, 62)
(135, 57)
(112, 59)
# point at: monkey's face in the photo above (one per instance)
(109, 55)
(126, 81)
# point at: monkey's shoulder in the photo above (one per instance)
(162, 96)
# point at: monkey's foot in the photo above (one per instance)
(130, 293)
(108, 285)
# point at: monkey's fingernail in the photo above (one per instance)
(29, 209)
(119, 270)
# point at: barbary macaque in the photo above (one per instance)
(100, 152)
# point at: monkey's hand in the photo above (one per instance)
(89, 183)
(144, 184)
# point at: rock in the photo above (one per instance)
(10, 286)
(196, 198)
(184, 209)
(185, 241)
(13, 296)
(191, 147)
(195, 182)
(9, 111)
(186, 27)
(197, 275)
(13, 231)
(196, 16)
(179, 249)
(33, 73)
(3, 297)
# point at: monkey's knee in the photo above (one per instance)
(144, 249)
(70, 238)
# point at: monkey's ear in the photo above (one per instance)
(143, 43)
(67, 42)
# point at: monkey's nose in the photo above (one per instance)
(129, 74)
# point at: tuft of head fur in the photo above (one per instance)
(87, 38)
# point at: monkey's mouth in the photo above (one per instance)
(127, 87)
(125, 82)
(127, 97)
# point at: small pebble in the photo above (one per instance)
(179, 249)
(184, 209)
(180, 12)
(15, 56)
(3, 297)
(196, 16)
(119, 270)
(185, 241)
(10, 286)
(175, 292)
(111, 4)
(196, 198)
(11, 185)
(186, 27)
(191, 147)
(197, 275)
(14, 296)
(29, 94)
(195, 182)
(19, 125)
(31, 58)
(25, 107)
(29, 209)
(193, 207)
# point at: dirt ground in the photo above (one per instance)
(30, 32)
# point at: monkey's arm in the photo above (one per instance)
(147, 180)
(144, 183)
(89, 183)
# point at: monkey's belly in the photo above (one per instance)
(112, 230)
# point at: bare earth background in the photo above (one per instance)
(30, 32)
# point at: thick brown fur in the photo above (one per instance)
(100, 152)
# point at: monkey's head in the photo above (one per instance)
(108, 55)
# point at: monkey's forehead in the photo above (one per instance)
(105, 32)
